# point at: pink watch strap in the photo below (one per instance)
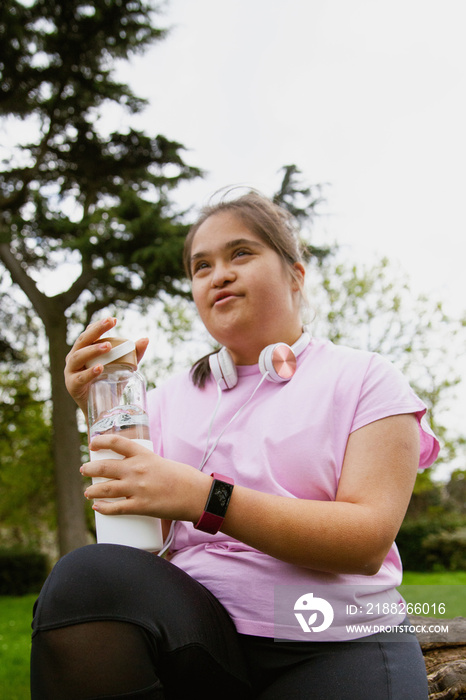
(218, 498)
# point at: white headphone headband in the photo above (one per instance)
(277, 363)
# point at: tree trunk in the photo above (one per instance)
(72, 530)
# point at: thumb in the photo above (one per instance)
(141, 347)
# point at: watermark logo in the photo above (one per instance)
(342, 612)
(307, 603)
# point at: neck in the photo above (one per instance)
(249, 355)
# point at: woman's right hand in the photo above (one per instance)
(77, 377)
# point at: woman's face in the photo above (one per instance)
(246, 296)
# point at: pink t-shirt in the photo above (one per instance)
(288, 440)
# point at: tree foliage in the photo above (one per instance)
(372, 307)
(26, 474)
(26, 471)
(302, 201)
(74, 189)
(70, 191)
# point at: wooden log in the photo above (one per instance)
(444, 655)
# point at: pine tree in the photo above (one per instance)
(70, 191)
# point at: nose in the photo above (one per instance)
(223, 273)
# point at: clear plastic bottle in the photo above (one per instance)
(117, 404)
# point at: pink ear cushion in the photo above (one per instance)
(284, 361)
(278, 361)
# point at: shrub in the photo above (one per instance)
(410, 541)
(21, 572)
(446, 550)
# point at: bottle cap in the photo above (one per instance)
(123, 352)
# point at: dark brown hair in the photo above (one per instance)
(273, 224)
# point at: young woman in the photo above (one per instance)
(286, 464)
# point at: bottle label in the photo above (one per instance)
(120, 418)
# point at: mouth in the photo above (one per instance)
(224, 297)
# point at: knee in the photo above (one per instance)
(99, 563)
(87, 579)
(85, 568)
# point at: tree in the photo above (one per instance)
(26, 473)
(302, 201)
(456, 490)
(70, 191)
(372, 307)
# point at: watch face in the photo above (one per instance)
(219, 497)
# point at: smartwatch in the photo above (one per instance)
(216, 505)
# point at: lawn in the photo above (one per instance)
(16, 613)
(15, 645)
(442, 578)
(435, 594)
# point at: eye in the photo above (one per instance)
(200, 267)
(241, 252)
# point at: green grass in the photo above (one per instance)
(15, 646)
(434, 588)
(440, 578)
(16, 615)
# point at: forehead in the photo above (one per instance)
(218, 229)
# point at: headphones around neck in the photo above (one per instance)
(277, 363)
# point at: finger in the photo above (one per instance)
(78, 378)
(123, 445)
(77, 381)
(120, 507)
(77, 360)
(93, 332)
(111, 488)
(103, 468)
(87, 347)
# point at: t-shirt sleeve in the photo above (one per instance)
(386, 392)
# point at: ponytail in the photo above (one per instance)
(200, 371)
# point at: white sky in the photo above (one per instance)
(366, 95)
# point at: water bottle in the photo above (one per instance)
(117, 404)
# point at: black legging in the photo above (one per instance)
(117, 622)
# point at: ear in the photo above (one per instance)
(299, 274)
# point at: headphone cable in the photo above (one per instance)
(205, 458)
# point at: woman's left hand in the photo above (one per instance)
(150, 484)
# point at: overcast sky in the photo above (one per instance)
(366, 95)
